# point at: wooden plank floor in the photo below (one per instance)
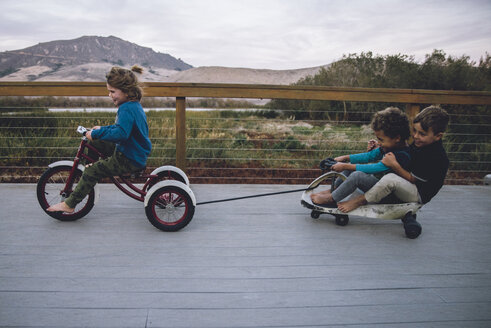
(251, 263)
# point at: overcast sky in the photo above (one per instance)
(274, 34)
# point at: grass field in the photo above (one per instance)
(234, 146)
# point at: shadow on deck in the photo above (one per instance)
(260, 262)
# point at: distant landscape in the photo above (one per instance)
(89, 58)
(288, 136)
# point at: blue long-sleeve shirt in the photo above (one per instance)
(130, 133)
(376, 155)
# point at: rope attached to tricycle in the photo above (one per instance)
(252, 196)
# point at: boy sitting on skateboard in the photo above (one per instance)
(391, 126)
(427, 171)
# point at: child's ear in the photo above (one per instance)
(439, 136)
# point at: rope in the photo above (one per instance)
(251, 196)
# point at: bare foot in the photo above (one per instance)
(323, 198)
(352, 204)
(60, 207)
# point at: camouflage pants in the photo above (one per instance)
(116, 164)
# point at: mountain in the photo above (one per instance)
(48, 58)
(89, 58)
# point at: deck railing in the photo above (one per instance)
(412, 99)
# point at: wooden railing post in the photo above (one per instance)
(181, 132)
(412, 110)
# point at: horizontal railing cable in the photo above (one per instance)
(238, 148)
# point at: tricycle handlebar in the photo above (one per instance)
(82, 130)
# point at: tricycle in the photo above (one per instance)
(168, 200)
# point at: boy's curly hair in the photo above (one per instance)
(126, 81)
(433, 117)
(393, 121)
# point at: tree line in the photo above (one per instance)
(437, 72)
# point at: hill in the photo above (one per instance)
(216, 74)
(88, 58)
(76, 56)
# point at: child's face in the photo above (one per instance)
(424, 138)
(386, 142)
(118, 97)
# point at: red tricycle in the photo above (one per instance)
(169, 201)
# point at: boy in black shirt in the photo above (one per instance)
(428, 167)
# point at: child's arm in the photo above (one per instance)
(390, 161)
(117, 132)
(88, 134)
(367, 168)
(372, 156)
(344, 158)
(340, 167)
(357, 162)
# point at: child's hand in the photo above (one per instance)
(372, 144)
(389, 160)
(339, 167)
(88, 135)
(343, 158)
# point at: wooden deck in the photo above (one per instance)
(259, 262)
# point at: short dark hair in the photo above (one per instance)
(433, 117)
(393, 121)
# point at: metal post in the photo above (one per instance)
(181, 132)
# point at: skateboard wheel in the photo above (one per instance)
(314, 215)
(412, 228)
(342, 220)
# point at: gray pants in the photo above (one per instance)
(356, 179)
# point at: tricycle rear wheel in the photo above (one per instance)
(170, 208)
(166, 175)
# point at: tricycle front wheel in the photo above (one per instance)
(50, 191)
